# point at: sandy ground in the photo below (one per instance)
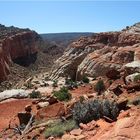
(10, 108)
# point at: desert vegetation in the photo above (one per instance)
(63, 94)
(94, 109)
(99, 87)
(35, 94)
(59, 128)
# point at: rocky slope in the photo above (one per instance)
(95, 55)
(18, 46)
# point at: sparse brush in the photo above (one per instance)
(59, 128)
(86, 111)
(137, 78)
(99, 87)
(70, 83)
(85, 79)
(63, 94)
(35, 94)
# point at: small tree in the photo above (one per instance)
(63, 94)
(35, 94)
(137, 78)
(85, 79)
(99, 87)
(70, 83)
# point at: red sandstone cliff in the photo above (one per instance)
(18, 46)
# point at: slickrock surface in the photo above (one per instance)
(126, 128)
(95, 55)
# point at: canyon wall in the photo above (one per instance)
(94, 56)
(18, 46)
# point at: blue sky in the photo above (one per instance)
(70, 16)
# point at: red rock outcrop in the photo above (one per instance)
(125, 128)
(95, 55)
(18, 46)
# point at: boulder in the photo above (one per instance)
(42, 104)
(135, 65)
(113, 74)
(116, 89)
(126, 128)
(13, 93)
(24, 118)
(130, 78)
(52, 100)
(122, 104)
(28, 108)
(76, 132)
(133, 87)
(51, 111)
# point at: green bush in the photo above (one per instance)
(137, 78)
(85, 79)
(82, 99)
(63, 94)
(99, 87)
(110, 82)
(35, 94)
(59, 128)
(94, 109)
(70, 83)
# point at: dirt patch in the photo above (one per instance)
(82, 90)
(10, 108)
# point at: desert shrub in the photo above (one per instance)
(110, 82)
(55, 82)
(35, 94)
(63, 94)
(110, 109)
(137, 78)
(82, 99)
(85, 79)
(99, 87)
(59, 128)
(94, 109)
(70, 83)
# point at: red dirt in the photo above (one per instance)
(9, 110)
(82, 90)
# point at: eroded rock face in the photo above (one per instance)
(18, 46)
(67, 65)
(98, 63)
(96, 55)
(125, 128)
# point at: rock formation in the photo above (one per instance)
(18, 46)
(94, 56)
